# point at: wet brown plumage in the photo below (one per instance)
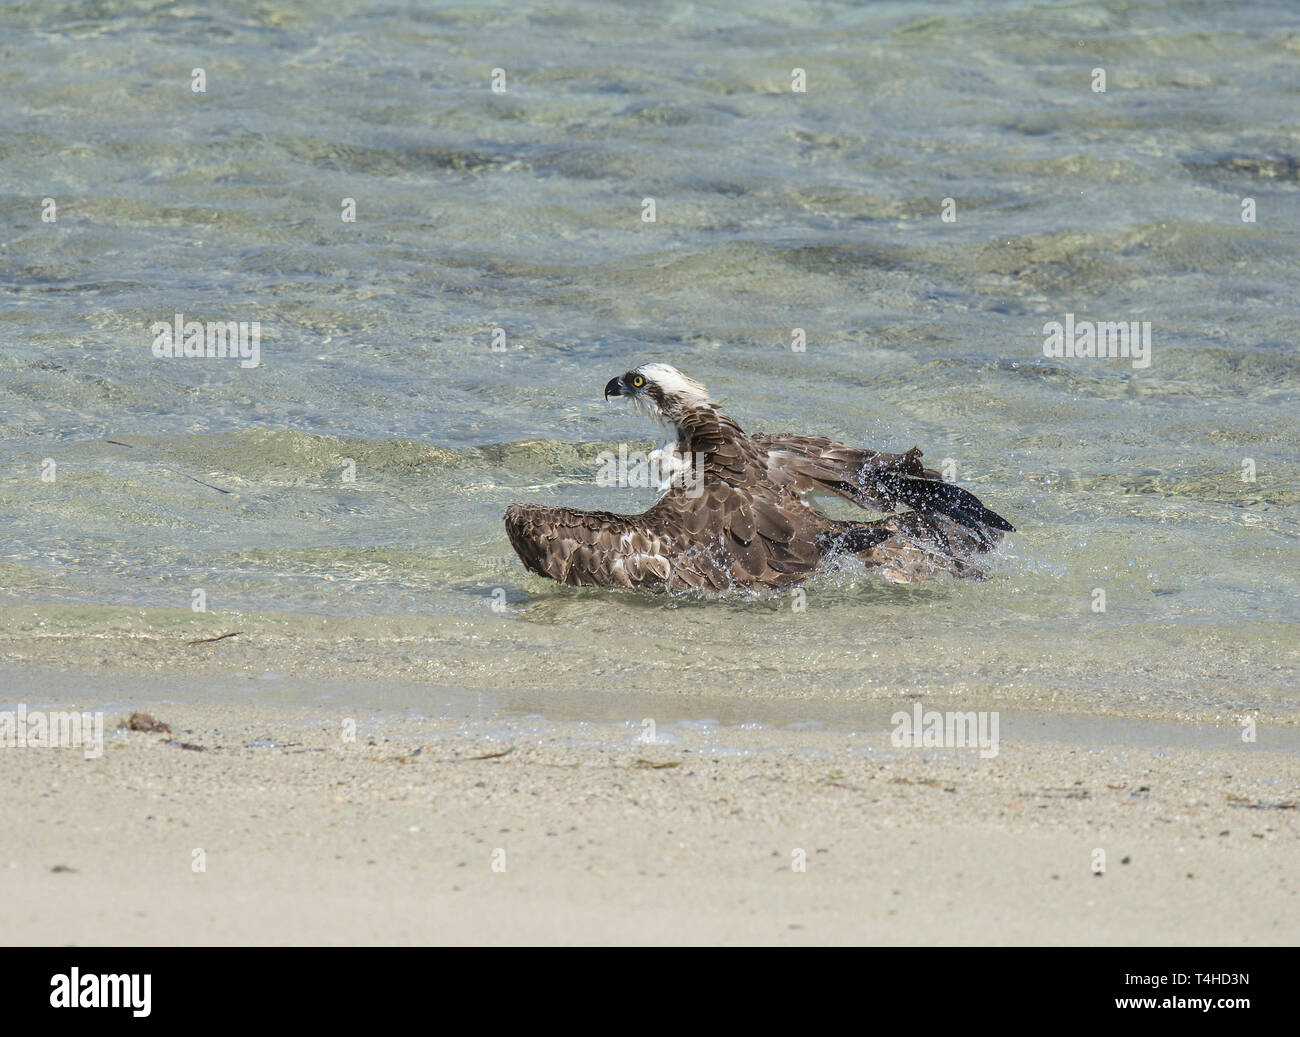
(743, 519)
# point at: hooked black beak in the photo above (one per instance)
(613, 388)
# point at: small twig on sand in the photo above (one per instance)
(493, 756)
(209, 640)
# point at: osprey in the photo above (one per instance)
(736, 513)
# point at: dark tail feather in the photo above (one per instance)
(934, 495)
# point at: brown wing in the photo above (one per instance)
(953, 517)
(725, 526)
(714, 534)
(813, 463)
(589, 548)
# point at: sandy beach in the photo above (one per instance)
(261, 824)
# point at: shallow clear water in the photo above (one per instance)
(775, 210)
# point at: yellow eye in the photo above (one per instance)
(637, 381)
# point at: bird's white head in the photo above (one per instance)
(659, 390)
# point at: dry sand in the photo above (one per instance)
(309, 838)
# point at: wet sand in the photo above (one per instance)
(517, 829)
(598, 651)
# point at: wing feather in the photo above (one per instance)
(877, 480)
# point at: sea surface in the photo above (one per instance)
(358, 474)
